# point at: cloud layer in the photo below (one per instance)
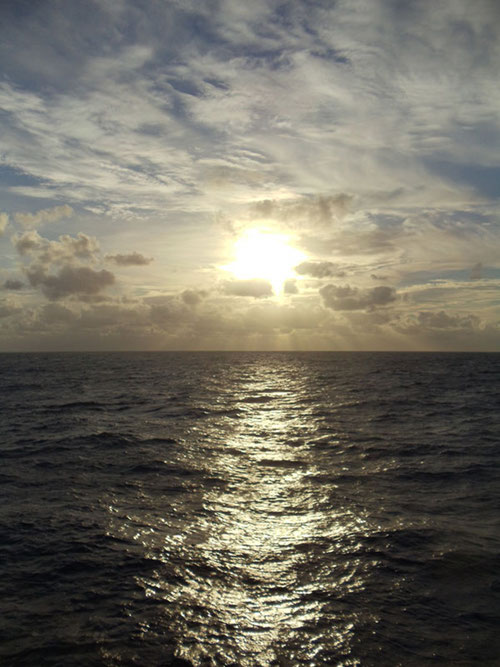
(366, 132)
(352, 298)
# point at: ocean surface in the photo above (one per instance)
(250, 509)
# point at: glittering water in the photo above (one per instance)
(250, 509)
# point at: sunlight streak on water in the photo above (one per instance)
(249, 583)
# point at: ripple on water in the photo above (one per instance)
(254, 509)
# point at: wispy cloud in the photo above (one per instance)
(321, 97)
(43, 216)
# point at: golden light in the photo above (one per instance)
(264, 255)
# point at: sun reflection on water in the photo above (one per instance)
(245, 568)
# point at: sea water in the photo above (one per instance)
(250, 509)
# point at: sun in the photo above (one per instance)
(264, 255)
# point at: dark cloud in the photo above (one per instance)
(352, 298)
(56, 266)
(55, 313)
(94, 298)
(305, 211)
(370, 322)
(256, 288)
(428, 321)
(112, 317)
(193, 297)
(441, 320)
(476, 271)
(13, 284)
(131, 259)
(69, 281)
(318, 269)
(7, 308)
(290, 287)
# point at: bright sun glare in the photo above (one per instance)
(260, 254)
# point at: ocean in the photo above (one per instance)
(250, 509)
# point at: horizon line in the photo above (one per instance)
(236, 351)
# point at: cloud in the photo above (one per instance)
(441, 326)
(476, 271)
(4, 221)
(114, 317)
(193, 297)
(366, 129)
(315, 211)
(55, 313)
(69, 281)
(223, 176)
(60, 268)
(271, 317)
(7, 308)
(369, 320)
(256, 288)
(131, 259)
(13, 284)
(356, 237)
(43, 216)
(67, 248)
(352, 298)
(341, 122)
(290, 287)
(318, 269)
(27, 242)
(167, 322)
(425, 320)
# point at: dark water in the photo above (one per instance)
(250, 509)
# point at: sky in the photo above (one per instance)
(265, 175)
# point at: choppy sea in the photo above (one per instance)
(249, 509)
